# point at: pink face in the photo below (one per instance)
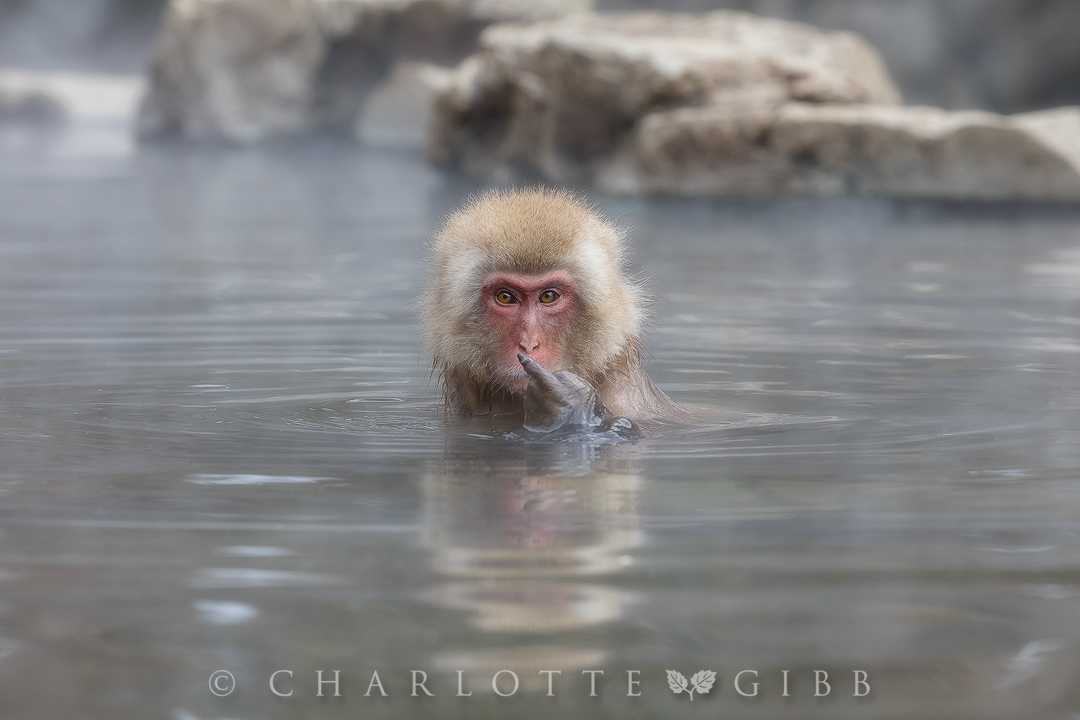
(528, 314)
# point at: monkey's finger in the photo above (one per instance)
(543, 377)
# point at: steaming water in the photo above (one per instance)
(222, 450)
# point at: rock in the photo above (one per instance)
(248, 69)
(728, 104)
(83, 97)
(560, 97)
(720, 150)
(22, 100)
(863, 149)
(238, 69)
(932, 153)
(1002, 55)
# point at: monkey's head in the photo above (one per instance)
(528, 271)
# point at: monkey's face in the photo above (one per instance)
(528, 314)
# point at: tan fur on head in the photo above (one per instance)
(529, 231)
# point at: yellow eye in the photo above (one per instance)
(504, 298)
(548, 296)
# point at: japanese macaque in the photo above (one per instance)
(529, 309)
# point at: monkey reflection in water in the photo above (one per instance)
(531, 539)
(530, 313)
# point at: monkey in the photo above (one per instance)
(529, 309)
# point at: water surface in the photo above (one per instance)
(221, 448)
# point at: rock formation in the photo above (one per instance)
(24, 101)
(861, 149)
(1003, 55)
(562, 96)
(248, 69)
(730, 104)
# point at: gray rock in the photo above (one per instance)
(1008, 56)
(933, 153)
(24, 101)
(728, 104)
(244, 70)
(863, 149)
(561, 97)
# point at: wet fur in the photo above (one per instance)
(536, 231)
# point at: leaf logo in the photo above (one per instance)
(701, 683)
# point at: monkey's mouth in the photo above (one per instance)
(511, 376)
(514, 379)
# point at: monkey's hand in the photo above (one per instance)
(560, 399)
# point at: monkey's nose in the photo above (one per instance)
(528, 342)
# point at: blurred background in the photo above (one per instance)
(1002, 55)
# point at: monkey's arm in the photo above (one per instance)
(561, 399)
